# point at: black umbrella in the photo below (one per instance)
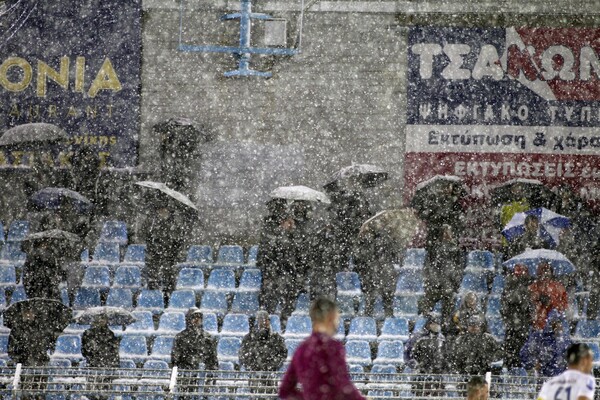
(364, 175)
(115, 316)
(55, 198)
(533, 190)
(55, 238)
(32, 135)
(440, 188)
(44, 313)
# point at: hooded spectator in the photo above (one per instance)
(413, 338)
(429, 350)
(547, 294)
(29, 343)
(469, 307)
(262, 349)
(193, 346)
(100, 346)
(42, 273)
(517, 313)
(545, 350)
(474, 351)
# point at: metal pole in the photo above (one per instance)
(17, 380)
(245, 32)
(173, 381)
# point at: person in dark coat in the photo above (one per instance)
(474, 351)
(42, 272)
(517, 313)
(100, 346)
(545, 350)
(531, 239)
(264, 351)
(29, 343)
(429, 351)
(443, 273)
(470, 306)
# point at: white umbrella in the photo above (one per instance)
(532, 258)
(115, 315)
(302, 193)
(180, 197)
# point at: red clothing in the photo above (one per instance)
(547, 295)
(319, 367)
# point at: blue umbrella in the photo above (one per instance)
(54, 198)
(532, 258)
(551, 225)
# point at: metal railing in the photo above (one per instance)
(56, 383)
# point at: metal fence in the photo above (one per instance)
(55, 383)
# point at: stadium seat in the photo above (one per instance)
(161, 348)
(275, 324)
(302, 304)
(236, 325)
(230, 255)
(480, 260)
(86, 298)
(362, 328)
(498, 285)
(228, 349)
(4, 346)
(128, 276)
(251, 280)
(493, 307)
(406, 306)
(348, 283)
(133, 348)
(226, 366)
(210, 323)
(381, 369)
(68, 347)
(182, 300)
(587, 329)
(358, 352)
(410, 282)
(298, 327)
(292, 345)
(120, 297)
(341, 332)
(18, 294)
(2, 303)
(200, 254)
(496, 328)
(191, 279)
(171, 323)
(85, 255)
(394, 329)
(245, 303)
(214, 302)
(221, 280)
(143, 326)
(114, 232)
(96, 277)
(127, 364)
(2, 236)
(11, 252)
(252, 255)
(106, 253)
(60, 362)
(17, 231)
(346, 305)
(151, 300)
(390, 352)
(155, 364)
(414, 258)
(474, 282)
(8, 276)
(135, 253)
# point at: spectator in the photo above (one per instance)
(429, 350)
(318, 369)
(547, 294)
(469, 307)
(474, 351)
(477, 389)
(193, 346)
(443, 273)
(262, 350)
(413, 338)
(517, 313)
(29, 343)
(531, 239)
(42, 272)
(100, 346)
(545, 350)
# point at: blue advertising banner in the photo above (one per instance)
(75, 64)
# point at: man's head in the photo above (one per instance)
(263, 323)
(325, 316)
(101, 320)
(471, 300)
(477, 389)
(532, 224)
(193, 318)
(580, 357)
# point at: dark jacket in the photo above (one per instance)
(516, 305)
(100, 347)
(524, 242)
(547, 349)
(474, 353)
(430, 354)
(192, 347)
(42, 274)
(29, 345)
(444, 265)
(263, 351)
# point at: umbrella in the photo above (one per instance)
(533, 190)
(54, 198)
(364, 174)
(115, 316)
(401, 224)
(301, 193)
(532, 258)
(53, 234)
(46, 313)
(551, 225)
(28, 135)
(429, 196)
(174, 194)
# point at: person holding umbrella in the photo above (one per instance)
(547, 294)
(99, 345)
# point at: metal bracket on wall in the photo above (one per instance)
(244, 50)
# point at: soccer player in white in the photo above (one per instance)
(576, 383)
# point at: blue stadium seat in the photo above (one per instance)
(11, 252)
(210, 323)
(155, 364)
(221, 280)
(2, 236)
(128, 276)
(275, 324)
(235, 325)
(480, 260)
(474, 282)
(107, 253)
(298, 327)
(228, 349)
(85, 255)
(394, 329)
(60, 362)
(410, 282)
(496, 328)
(151, 300)
(68, 347)
(251, 280)
(2, 303)
(161, 348)
(493, 307)
(133, 348)
(226, 366)
(406, 306)
(182, 300)
(17, 231)
(252, 255)
(127, 364)
(362, 328)
(414, 258)
(292, 345)
(390, 352)
(143, 325)
(86, 298)
(171, 323)
(245, 303)
(135, 253)
(358, 352)
(348, 283)
(302, 304)
(192, 279)
(214, 302)
(200, 254)
(341, 332)
(8, 276)
(18, 294)
(114, 232)
(4, 346)
(96, 277)
(381, 369)
(498, 285)
(231, 255)
(346, 305)
(587, 329)
(120, 297)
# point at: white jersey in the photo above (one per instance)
(570, 385)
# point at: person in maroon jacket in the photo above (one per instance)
(318, 370)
